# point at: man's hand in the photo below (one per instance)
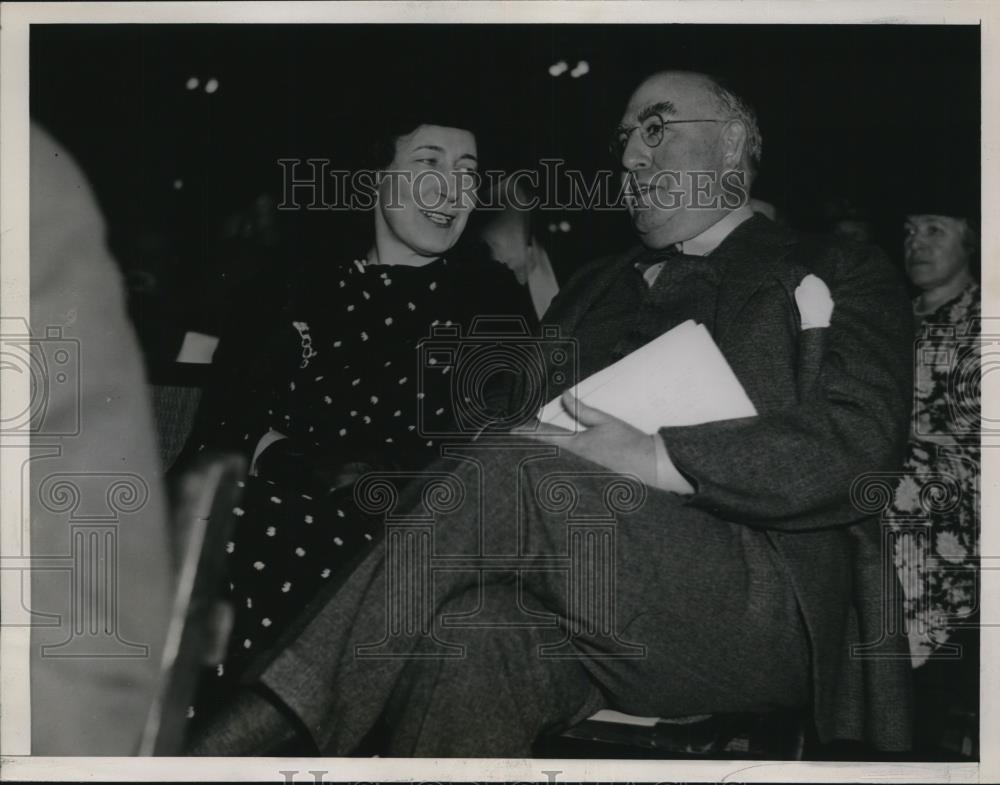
(608, 441)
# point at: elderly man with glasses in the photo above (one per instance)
(747, 573)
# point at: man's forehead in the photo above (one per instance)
(681, 91)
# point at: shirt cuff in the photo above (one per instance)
(667, 476)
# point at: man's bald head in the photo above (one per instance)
(688, 148)
(711, 93)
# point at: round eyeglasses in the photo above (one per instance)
(650, 131)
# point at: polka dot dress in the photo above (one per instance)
(359, 388)
(357, 393)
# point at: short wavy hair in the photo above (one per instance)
(734, 104)
(404, 117)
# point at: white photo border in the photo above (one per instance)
(15, 22)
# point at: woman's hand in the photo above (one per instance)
(285, 463)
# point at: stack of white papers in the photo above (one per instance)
(680, 378)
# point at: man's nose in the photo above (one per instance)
(637, 154)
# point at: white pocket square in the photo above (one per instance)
(814, 301)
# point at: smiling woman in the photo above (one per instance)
(425, 195)
(341, 390)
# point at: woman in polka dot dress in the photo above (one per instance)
(351, 394)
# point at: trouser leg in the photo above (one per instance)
(700, 608)
(493, 701)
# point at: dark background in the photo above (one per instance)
(866, 113)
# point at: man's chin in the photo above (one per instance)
(652, 235)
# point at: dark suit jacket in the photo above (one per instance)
(832, 406)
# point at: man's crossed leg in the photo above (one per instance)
(519, 589)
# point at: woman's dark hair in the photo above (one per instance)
(401, 119)
(375, 148)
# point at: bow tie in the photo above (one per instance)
(672, 253)
(676, 266)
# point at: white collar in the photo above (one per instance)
(710, 239)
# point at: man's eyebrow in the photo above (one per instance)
(662, 107)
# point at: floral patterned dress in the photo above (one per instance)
(936, 506)
(348, 385)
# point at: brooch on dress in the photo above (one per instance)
(307, 348)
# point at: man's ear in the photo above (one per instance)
(734, 141)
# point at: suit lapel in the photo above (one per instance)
(753, 253)
(585, 296)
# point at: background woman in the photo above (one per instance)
(937, 501)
